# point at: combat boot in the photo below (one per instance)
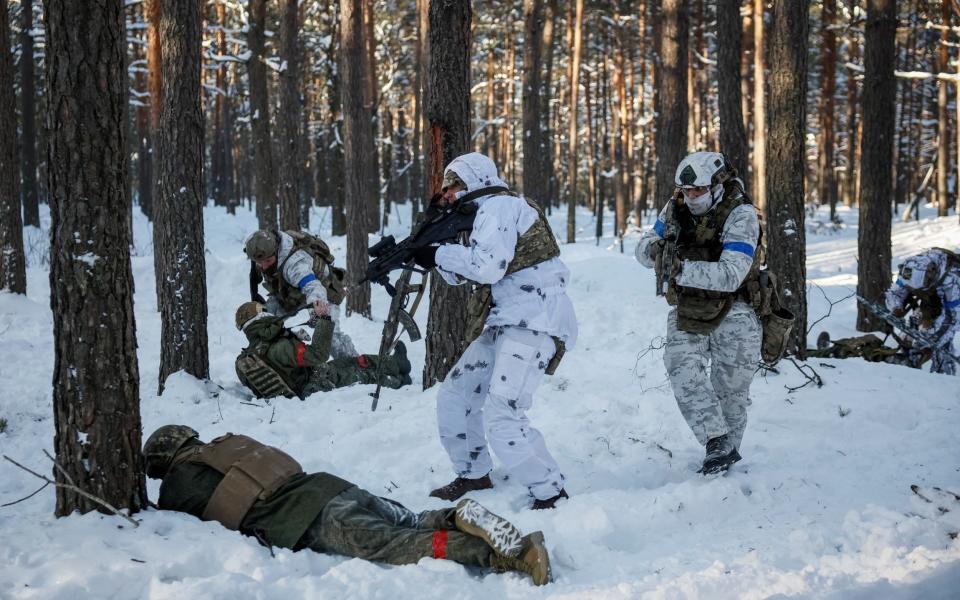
(403, 363)
(500, 534)
(532, 559)
(721, 453)
(461, 486)
(549, 502)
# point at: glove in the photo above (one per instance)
(426, 257)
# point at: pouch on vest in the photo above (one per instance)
(776, 321)
(261, 378)
(478, 308)
(561, 349)
(251, 471)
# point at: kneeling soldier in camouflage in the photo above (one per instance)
(278, 363)
(262, 492)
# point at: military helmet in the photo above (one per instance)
(702, 169)
(919, 272)
(247, 311)
(261, 245)
(450, 179)
(162, 446)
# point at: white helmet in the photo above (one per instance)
(701, 169)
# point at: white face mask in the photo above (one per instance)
(699, 205)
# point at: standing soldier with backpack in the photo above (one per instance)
(297, 270)
(705, 246)
(929, 285)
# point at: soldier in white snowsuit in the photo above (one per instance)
(290, 275)
(713, 333)
(929, 284)
(511, 249)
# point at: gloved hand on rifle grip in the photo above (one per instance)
(426, 257)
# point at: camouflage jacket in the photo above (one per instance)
(286, 353)
(280, 520)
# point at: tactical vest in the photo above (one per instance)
(536, 245)
(262, 377)
(699, 310)
(332, 278)
(251, 471)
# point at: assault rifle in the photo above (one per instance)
(920, 339)
(668, 253)
(439, 224)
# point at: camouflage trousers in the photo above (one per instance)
(347, 370)
(711, 374)
(487, 394)
(357, 523)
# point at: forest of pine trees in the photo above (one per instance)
(161, 107)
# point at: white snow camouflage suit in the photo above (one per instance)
(491, 387)
(298, 272)
(714, 400)
(945, 327)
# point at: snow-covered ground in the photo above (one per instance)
(820, 506)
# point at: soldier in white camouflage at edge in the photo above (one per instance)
(929, 284)
(289, 266)
(511, 249)
(713, 333)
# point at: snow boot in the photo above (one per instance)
(532, 560)
(549, 502)
(720, 455)
(500, 534)
(461, 486)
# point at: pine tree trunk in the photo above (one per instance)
(827, 192)
(13, 276)
(759, 107)
(334, 163)
(448, 118)
(28, 107)
(577, 52)
(356, 143)
(182, 284)
(371, 93)
(943, 126)
(221, 152)
(152, 10)
(670, 101)
(144, 152)
(289, 119)
(851, 176)
(876, 186)
(263, 163)
(534, 180)
(622, 134)
(733, 136)
(96, 404)
(547, 152)
(786, 238)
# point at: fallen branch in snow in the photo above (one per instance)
(69, 486)
(807, 371)
(831, 302)
(38, 490)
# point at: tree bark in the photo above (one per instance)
(448, 118)
(943, 126)
(759, 108)
(263, 163)
(289, 119)
(182, 284)
(786, 239)
(733, 136)
(155, 86)
(670, 100)
(371, 93)
(534, 179)
(333, 165)
(13, 276)
(224, 192)
(876, 185)
(28, 107)
(853, 127)
(356, 143)
(827, 192)
(96, 404)
(577, 52)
